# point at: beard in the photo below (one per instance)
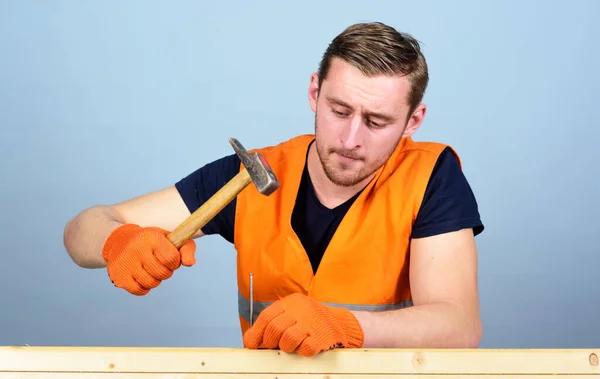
(342, 173)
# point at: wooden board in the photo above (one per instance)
(189, 363)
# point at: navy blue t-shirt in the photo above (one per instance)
(448, 205)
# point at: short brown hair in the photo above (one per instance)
(378, 49)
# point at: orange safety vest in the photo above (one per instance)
(366, 264)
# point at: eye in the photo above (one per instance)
(338, 113)
(376, 124)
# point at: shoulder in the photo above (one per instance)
(449, 203)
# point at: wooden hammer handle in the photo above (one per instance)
(209, 209)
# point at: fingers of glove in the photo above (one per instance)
(164, 250)
(144, 279)
(253, 337)
(292, 338)
(275, 329)
(309, 347)
(154, 267)
(188, 251)
(130, 286)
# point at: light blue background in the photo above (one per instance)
(105, 100)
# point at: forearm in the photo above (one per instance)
(85, 234)
(441, 325)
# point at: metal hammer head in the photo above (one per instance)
(260, 172)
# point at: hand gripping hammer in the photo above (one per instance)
(256, 169)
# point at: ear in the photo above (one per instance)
(313, 91)
(415, 120)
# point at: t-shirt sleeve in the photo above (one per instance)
(449, 203)
(201, 184)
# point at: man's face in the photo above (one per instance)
(359, 121)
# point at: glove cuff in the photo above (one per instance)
(351, 326)
(117, 238)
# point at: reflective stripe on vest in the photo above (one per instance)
(259, 306)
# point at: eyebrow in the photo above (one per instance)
(383, 116)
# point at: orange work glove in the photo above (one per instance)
(299, 323)
(139, 258)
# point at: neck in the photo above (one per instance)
(330, 194)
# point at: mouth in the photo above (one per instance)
(347, 158)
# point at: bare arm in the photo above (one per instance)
(85, 234)
(446, 306)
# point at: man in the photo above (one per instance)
(369, 241)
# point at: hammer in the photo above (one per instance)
(256, 169)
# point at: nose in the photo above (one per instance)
(352, 136)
